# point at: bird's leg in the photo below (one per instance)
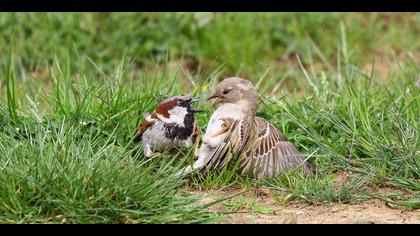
(197, 140)
(187, 170)
(227, 122)
(149, 153)
(155, 154)
(202, 160)
(148, 150)
(197, 148)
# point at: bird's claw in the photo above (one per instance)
(227, 122)
(153, 155)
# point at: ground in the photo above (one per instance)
(365, 212)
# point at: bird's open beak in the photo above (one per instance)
(193, 100)
(194, 109)
(212, 96)
(219, 99)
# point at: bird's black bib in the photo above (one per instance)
(173, 130)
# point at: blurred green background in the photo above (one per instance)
(248, 43)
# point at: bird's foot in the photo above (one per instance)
(227, 122)
(154, 154)
(183, 172)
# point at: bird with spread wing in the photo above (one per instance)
(235, 133)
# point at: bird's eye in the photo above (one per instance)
(225, 92)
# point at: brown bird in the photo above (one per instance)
(172, 124)
(234, 132)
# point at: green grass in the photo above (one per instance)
(73, 91)
(77, 163)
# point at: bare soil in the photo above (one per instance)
(366, 212)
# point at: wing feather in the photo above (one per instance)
(233, 143)
(261, 148)
(274, 154)
(149, 121)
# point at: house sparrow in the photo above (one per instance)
(234, 132)
(172, 124)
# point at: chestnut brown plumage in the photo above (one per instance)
(172, 124)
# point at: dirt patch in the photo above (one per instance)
(261, 208)
(386, 67)
(366, 212)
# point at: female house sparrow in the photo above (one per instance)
(172, 124)
(235, 133)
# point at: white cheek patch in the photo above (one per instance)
(176, 115)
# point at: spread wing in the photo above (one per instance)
(271, 153)
(233, 143)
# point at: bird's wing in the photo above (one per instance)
(270, 154)
(233, 143)
(149, 121)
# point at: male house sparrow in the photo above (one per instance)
(172, 124)
(235, 132)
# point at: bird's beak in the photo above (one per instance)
(219, 99)
(194, 109)
(193, 100)
(212, 96)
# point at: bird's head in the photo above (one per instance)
(174, 109)
(236, 91)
